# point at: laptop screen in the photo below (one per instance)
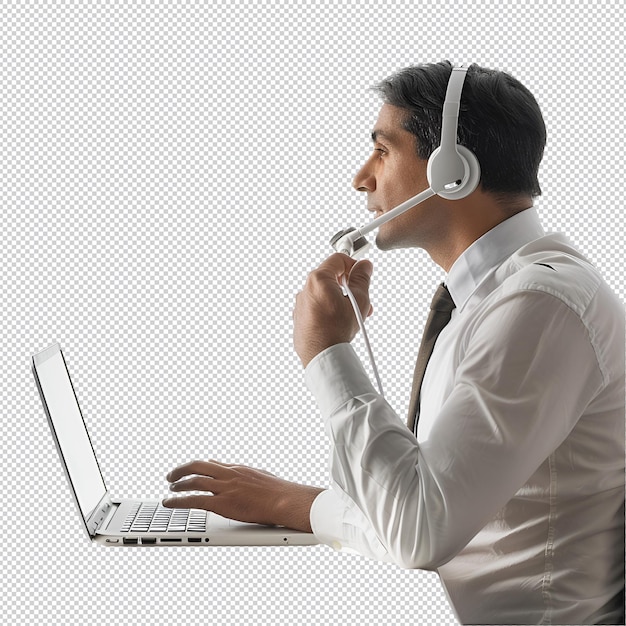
(68, 429)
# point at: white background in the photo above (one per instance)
(169, 173)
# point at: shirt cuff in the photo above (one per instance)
(337, 522)
(336, 376)
(327, 512)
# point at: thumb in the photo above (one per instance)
(359, 283)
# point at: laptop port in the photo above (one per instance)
(148, 541)
(195, 539)
(171, 540)
(129, 541)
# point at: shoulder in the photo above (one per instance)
(552, 265)
(551, 279)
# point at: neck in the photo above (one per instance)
(465, 224)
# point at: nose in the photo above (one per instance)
(364, 179)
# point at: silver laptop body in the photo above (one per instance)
(116, 523)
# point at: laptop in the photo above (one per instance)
(118, 522)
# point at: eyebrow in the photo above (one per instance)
(384, 134)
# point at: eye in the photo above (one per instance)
(381, 152)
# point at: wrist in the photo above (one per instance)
(295, 507)
(308, 353)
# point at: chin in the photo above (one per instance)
(389, 243)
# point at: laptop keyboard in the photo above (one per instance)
(153, 517)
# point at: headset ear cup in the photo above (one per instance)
(474, 170)
(470, 179)
(431, 165)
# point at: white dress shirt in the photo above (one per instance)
(513, 489)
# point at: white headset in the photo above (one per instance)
(453, 172)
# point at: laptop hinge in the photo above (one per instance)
(100, 514)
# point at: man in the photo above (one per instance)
(512, 486)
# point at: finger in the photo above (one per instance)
(203, 468)
(213, 504)
(196, 483)
(336, 265)
(189, 502)
(361, 274)
(359, 283)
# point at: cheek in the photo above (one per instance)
(403, 189)
(410, 177)
(416, 180)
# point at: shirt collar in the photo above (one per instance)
(488, 252)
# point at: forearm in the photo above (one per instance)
(293, 508)
(407, 506)
(378, 507)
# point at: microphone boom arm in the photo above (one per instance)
(352, 241)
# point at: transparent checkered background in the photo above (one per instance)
(169, 173)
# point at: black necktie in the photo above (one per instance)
(440, 313)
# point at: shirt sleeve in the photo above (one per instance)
(336, 377)
(526, 372)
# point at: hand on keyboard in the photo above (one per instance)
(242, 493)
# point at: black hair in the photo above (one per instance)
(499, 121)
